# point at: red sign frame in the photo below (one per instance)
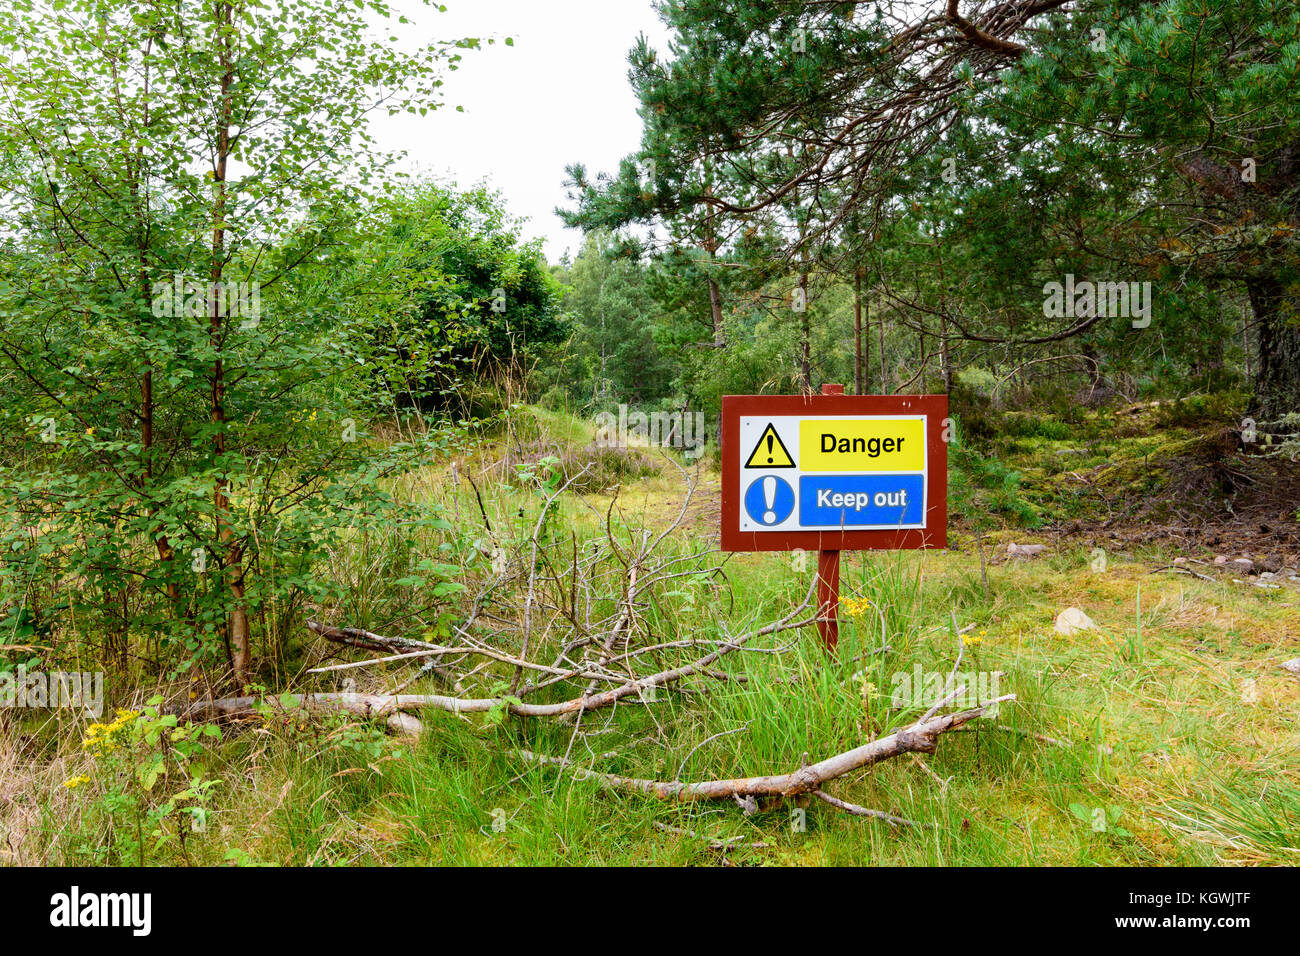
(933, 535)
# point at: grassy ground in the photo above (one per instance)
(1166, 736)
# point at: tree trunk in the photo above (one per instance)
(805, 338)
(884, 374)
(715, 294)
(1277, 384)
(944, 370)
(231, 558)
(922, 360)
(859, 356)
(166, 553)
(945, 364)
(715, 306)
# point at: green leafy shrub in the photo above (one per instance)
(148, 770)
(980, 486)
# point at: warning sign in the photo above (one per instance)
(868, 472)
(770, 452)
(862, 444)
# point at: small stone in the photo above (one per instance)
(1025, 550)
(1292, 665)
(1071, 621)
(1180, 560)
(1243, 565)
(1220, 559)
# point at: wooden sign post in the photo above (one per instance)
(828, 578)
(831, 473)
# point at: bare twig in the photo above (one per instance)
(708, 740)
(858, 811)
(1180, 570)
(730, 843)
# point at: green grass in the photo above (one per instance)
(1143, 721)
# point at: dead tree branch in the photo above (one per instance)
(919, 737)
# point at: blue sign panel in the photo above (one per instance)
(851, 501)
(769, 500)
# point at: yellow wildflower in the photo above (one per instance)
(100, 737)
(76, 781)
(856, 607)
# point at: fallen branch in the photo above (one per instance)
(409, 655)
(440, 650)
(356, 637)
(363, 705)
(393, 706)
(458, 705)
(367, 641)
(920, 737)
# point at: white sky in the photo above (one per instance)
(560, 95)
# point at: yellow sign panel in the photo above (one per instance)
(862, 444)
(770, 451)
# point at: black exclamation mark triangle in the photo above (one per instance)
(770, 452)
